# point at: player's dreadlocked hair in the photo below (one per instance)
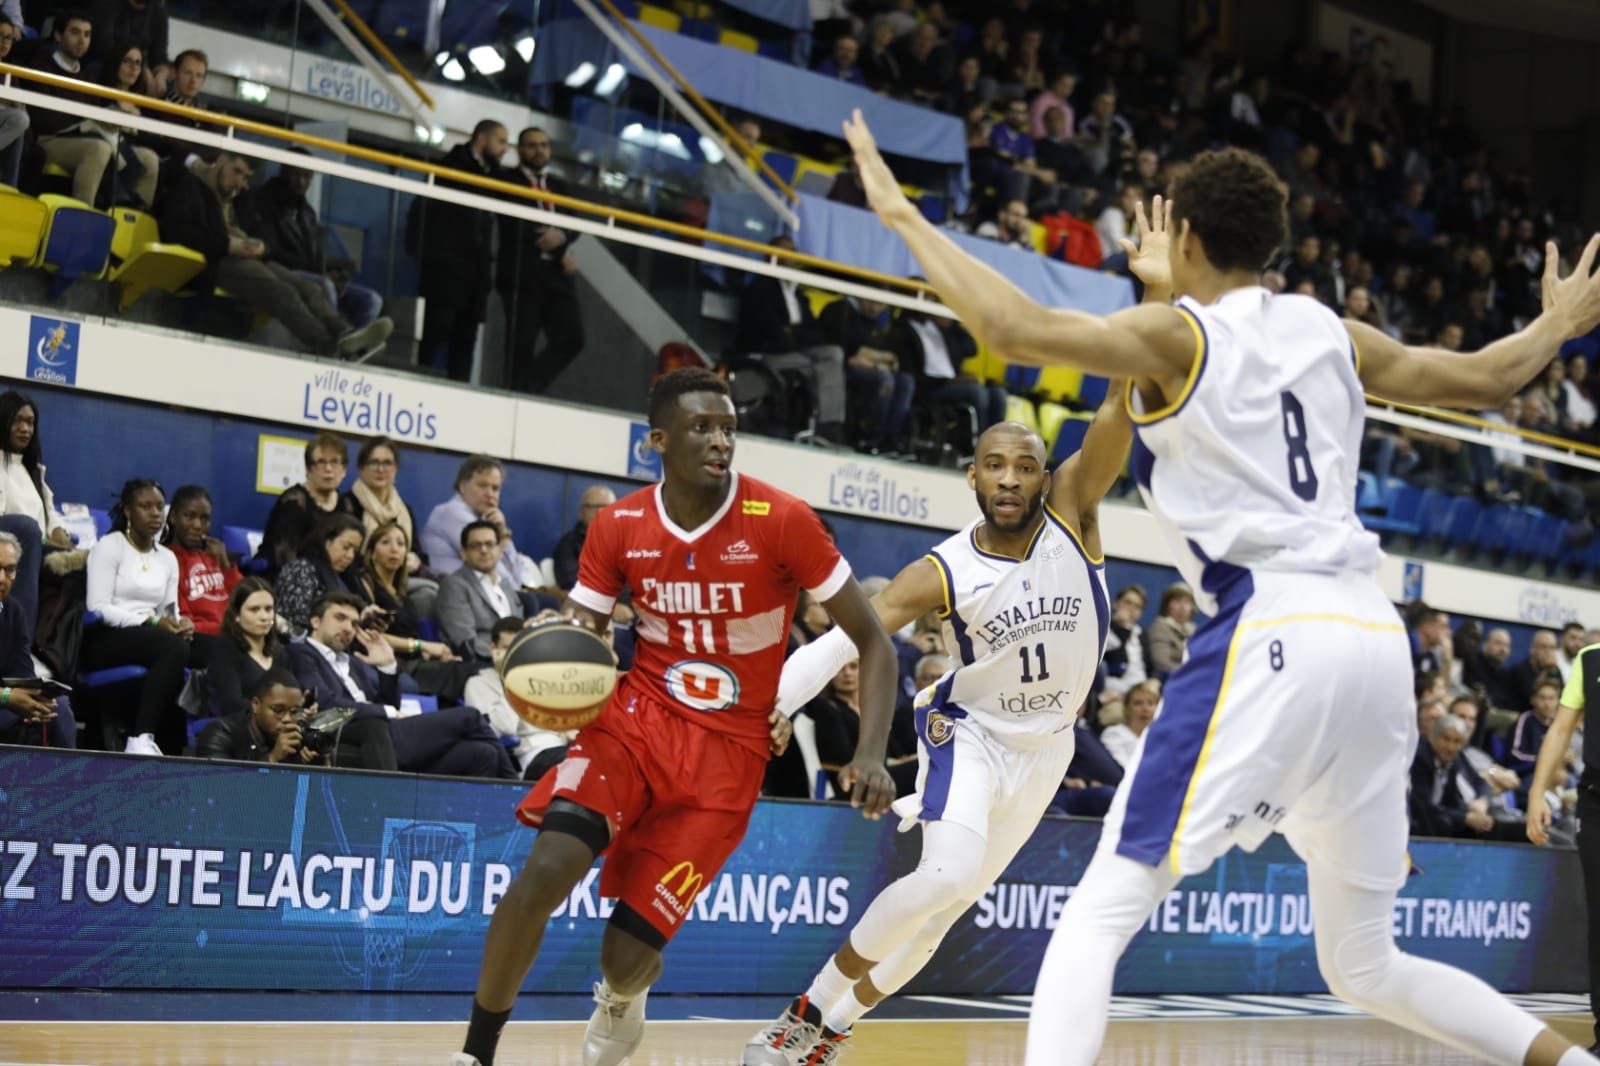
(1236, 206)
(669, 387)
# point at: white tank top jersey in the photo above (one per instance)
(1253, 465)
(1027, 633)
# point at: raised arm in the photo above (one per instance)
(1484, 378)
(1085, 478)
(1146, 341)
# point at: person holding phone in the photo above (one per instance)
(28, 714)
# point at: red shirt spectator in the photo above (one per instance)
(206, 577)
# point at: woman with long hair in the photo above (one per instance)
(837, 714)
(27, 507)
(248, 645)
(133, 586)
(205, 573)
(375, 499)
(328, 561)
(385, 583)
(136, 165)
(1170, 632)
(1139, 705)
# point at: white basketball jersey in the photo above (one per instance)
(1253, 466)
(1027, 633)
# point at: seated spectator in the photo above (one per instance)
(1574, 636)
(1502, 783)
(137, 165)
(879, 63)
(837, 714)
(852, 323)
(456, 741)
(1170, 632)
(326, 563)
(1522, 754)
(206, 576)
(188, 80)
(1116, 222)
(27, 506)
(1027, 62)
(249, 646)
(1057, 95)
(26, 715)
(933, 351)
(195, 209)
(777, 327)
(1020, 177)
(847, 188)
(13, 116)
(300, 507)
(479, 479)
(270, 731)
(968, 88)
(1105, 136)
(279, 214)
(375, 500)
(569, 548)
(811, 620)
(141, 23)
(133, 586)
(1448, 798)
(1127, 658)
(1430, 641)
(1057, 151)
(1539, 666)
(842, 63)
(1011, 227)
(433, 665)
(924, 66)
(1091, 779)
(1138, 711)
(537, 749)
(477, 595)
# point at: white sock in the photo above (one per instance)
(1576, 1056)
(845, 1013)
(829, 986)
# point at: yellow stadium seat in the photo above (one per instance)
(734, 39)
(56, 170)
(23, 221)
(1021, 410)
(1041, 239)
(1053, 416)
(691, 10)
(820, 299)
(144, 264)
(659, 17)
(1059, 383)
(985, 366)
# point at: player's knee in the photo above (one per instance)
(949, 880)
(554, 867)
(1355, 963)
(630, 952)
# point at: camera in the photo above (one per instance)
(319, 733)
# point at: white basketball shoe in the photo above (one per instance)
(615, 1028)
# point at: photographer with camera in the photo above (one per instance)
(281, 727)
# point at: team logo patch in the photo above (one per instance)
(739, 552)
(674, 900)
(940, 729)
(759, 508)
(702, 685)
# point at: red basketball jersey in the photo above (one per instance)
(714, 604)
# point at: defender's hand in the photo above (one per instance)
(1149, 259)
(869, 784)
(782, 730)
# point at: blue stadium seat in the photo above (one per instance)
(1494, 529)
(1545, 536)
(782, 164)
(1400, 515)
(243, 543)
(111, 675)
(1460, 521)
(934, 208)
(1069, 438)
(1369, 498)
(1093, 390)
(428, 629)
(102, 522)
(77, 242)
(1431, 512)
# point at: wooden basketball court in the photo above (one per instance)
(1281, 1041)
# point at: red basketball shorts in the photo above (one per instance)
(678, 797)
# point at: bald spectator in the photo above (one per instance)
(1539, 666)
(1489, 671)
(570, 547)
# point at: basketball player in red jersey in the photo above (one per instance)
(664, 781)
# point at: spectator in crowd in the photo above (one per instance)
(476, 596)
(454, 741)
(326, 562)
(879, 64)
(852, 323)
(841, 63)
(1021, 177)
(1574, 636)
(1488, 671)
(1105, 136)
(273, 731)
(133, 587)
(477, 497)
(451, 243)
(300, 507)
(1429, 710)
(137, 165)
(1116, 222)
(924, 66)
(777, 326)
(140, 23)
(537, 749)
(933, 350)
(249, 646)
(1127, 657)
(968, 88)
(1138, 711)
(375, 500)
(837, 715)
(206, 576)
(432, 664)
(1448, 798)
(1502, 782)
(1057, 151)
(282, 218)
(1430, 640)
(13, 116)
(27, 716)
(27, 506)
(535, 275)
(1170, 632)
(1027, 62)
(1528, 734)
(189, 70)
(1540, 665)
(1011, 227)
(1058, 94)
(195, 209)
(569, 548)
(847, 188)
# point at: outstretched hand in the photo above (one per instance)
(1150, 259)
(870, 787)
(1576, 297)
(883, 192)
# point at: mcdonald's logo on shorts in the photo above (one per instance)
(678, 887)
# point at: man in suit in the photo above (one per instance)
(475, 597)
(777, 326)
(455, 742)
(451, 243)
(1448, 798)
(536, 278)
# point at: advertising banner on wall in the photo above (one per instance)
(133, 873)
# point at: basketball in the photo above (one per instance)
(558, 676)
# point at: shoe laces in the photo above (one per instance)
(791, 1032)
(609, 1001)
(828, 1048)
